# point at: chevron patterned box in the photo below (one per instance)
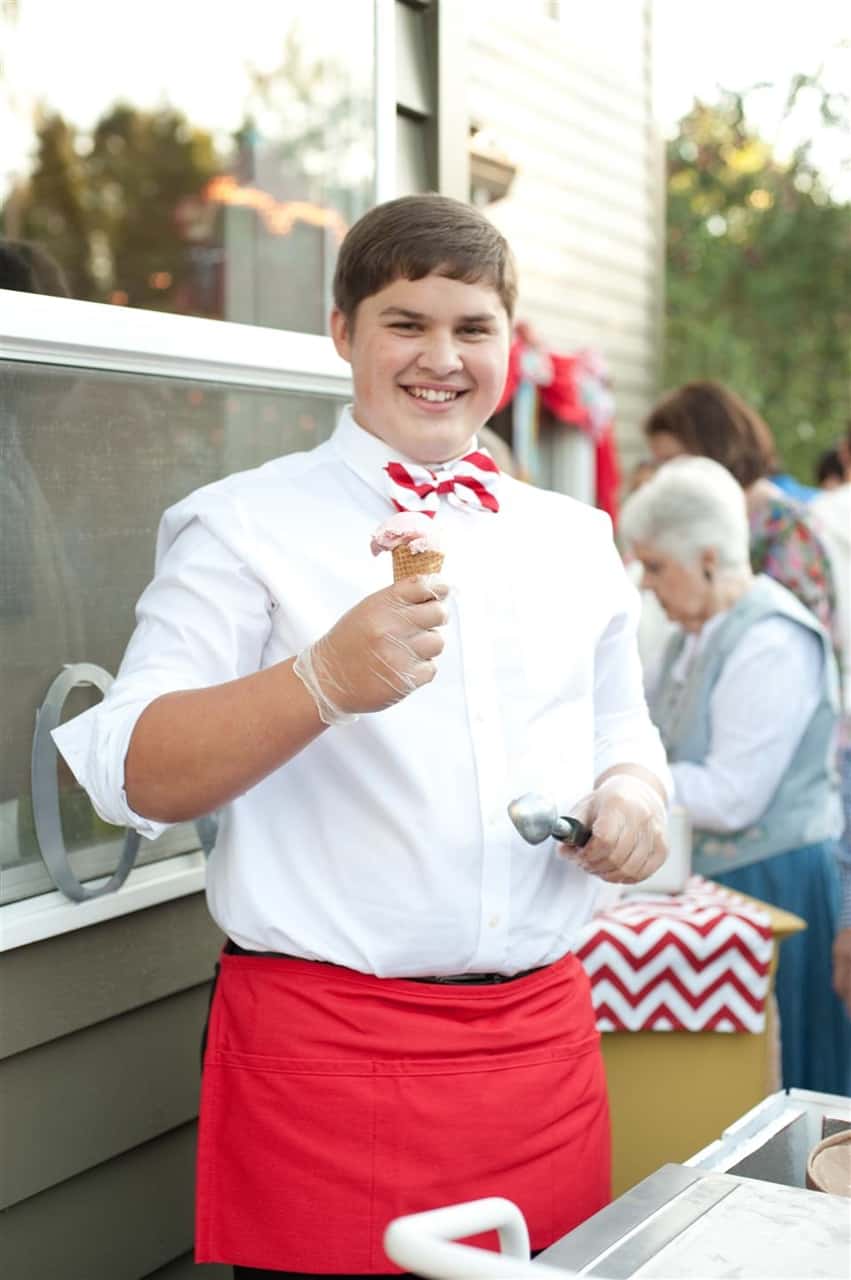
(695, 961)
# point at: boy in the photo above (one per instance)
(398, 1021)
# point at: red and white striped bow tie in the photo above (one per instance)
(467, 483)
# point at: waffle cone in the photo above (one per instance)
(408, 563)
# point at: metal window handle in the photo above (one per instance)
(537, 819)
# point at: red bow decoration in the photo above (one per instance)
(467, 483)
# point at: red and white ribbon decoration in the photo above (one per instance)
(467, 483)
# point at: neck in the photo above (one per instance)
(762, 490)
(727, 590)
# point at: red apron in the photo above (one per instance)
(333, 1101)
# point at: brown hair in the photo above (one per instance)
(416, 236)
(711, 421)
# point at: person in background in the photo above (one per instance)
(27, 268)
(746, 701)
(707, 419)
(654, 627)
(832, 511)
(830, 469)
(789, 485)
(640, 474)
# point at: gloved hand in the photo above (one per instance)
(379, 652)
(628, 825)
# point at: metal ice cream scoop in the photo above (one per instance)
(537, 818)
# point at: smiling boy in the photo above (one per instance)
(398, 1021)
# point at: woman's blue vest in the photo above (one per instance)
(805, 807)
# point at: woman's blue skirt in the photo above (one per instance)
(815, 1030)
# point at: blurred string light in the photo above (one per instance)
(279, 216)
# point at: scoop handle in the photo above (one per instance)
(571, 831)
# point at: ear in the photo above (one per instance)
(709, 562)
(341, 334)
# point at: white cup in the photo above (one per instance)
(676, 869)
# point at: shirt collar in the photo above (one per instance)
(366, 454)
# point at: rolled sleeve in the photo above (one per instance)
(94, 746)
(203, 620)
(623, 730)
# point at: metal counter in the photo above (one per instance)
(737, 1209)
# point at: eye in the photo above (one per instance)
(475, 330)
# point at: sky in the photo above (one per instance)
(192, 54)
(700, 45)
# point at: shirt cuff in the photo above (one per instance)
(646, 752)
(94, 746)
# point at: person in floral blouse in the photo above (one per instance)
(708, 419)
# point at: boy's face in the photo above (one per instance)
(429, 360)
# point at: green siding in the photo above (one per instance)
(118, 1221)
(76, 1102)
(99, 1076)
(77, 979)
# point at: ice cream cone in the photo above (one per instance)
(408, 563)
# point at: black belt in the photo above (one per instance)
(460, 979)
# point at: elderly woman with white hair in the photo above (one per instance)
(746, 699)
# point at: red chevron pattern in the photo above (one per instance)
(694, 961)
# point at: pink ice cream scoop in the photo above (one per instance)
(416, 545)
(410, 529)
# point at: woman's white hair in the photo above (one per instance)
(690, 505)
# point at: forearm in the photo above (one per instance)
(636, 771)
(195, 750)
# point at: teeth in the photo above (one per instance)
(426, 393)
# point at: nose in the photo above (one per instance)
(439, 354)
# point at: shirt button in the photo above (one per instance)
(493, 922)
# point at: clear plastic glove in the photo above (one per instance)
(628, 824)
(379, 652)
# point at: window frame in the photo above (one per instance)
(63, 332)
(66, 332)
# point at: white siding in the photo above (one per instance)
(568, 100)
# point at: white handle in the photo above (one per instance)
(425, 1243)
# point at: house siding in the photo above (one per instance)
(99, 1071)
(584, 214)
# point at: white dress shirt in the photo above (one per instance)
(385, 844)
(760, 707)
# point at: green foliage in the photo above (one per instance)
(104, 205)
(126, 210)
(759, 274)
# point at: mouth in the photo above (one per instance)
(435, 396)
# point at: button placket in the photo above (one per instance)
(490, 754)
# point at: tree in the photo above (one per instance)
(759, 273)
